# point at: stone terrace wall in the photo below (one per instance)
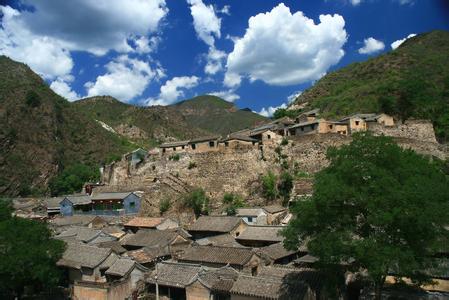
(421, 130)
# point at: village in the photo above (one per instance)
(117, 251)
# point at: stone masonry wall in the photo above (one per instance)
(421, 130)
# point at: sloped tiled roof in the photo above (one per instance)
(146, 254)
(276, 251)
(149, 238)
(272, 209)
(53, 203)
(204, 139)
(113, 245)
(79, 199)
(72, 220)
(84, 234)
(174, 274)
(174, 144)
(261, 233)
(121, 267)
(215, 224)
(225, 240)
(254, 212)
(265, 288)
(111, 196)
(79, 255)
(216, 254)
(238, 137)
(144, 222)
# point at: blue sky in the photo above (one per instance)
(155, 52)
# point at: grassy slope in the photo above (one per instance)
(36, 142)
(217, 115)
(418, 71)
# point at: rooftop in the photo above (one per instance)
(261, 233)
(79, 255)
(174, 274)
(121, 267)
(144, 222)
(174, 144)
(204, 139)
(276, 251)
(252, 212)
(222, 224)
(149, 238)
(217, 254)
(111, 196)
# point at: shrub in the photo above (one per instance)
(278, 150)
(174, 157)
(284, 142)
(233, 201)
(285, 187)
(198, 201)
(192, 165)
(72, 179)
(33, 99)
(164, 205)
(269, 190)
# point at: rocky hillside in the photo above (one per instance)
(146, 126)
(409, 82)
(216, 115)
(202, 115)
(41, 133)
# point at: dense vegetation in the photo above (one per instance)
(197, 201)
(41, 133)
(28, 256)
(409, 82)
(72, 179)
(387, 208)
(232, 202)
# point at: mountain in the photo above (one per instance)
(216, 115)
(409, 82)
(41, 133)
(146, 126)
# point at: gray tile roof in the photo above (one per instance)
(204, 139)
(149, 238)
(272, 209)
(239, 138)
(216, 254)
(174, 274)
(261, 233)
(174, 144)
(113, 245)
(265, 288)
(72, 220)
(146, 254)
(121, 267)
(111, 196)
(53, 203)
(79, 255)
(225, 240)
(252, 212)
(84, 234)
(215, 224)
(79, 199)
(275, 251)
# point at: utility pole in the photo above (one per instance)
(157, 285)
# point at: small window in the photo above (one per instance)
(254, 271)
(268, 136)
(331, 126)
(193, 146)
(226, 144)
(174, 148)
(302, 128)
(254, 143)
(211, 144)
(132, 204)
(357, 123)
(163, 150)
(250, 219)
(183, 147)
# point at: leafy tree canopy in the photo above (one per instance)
(378, 206)
(233, 202)
(198, 201)
(72, 179)
(28, 255)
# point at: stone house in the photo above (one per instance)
(206, 226)
(360, 122)
(136, 157)
(276, 254)
(150, 223)
(85, 235)
(308, 116)
(238, 142)
(266, 134)
(204, 144)
(52, 205)
(253, 216)
(225, 240)
(175, 240)
(178, 146)
(241, 259)
(260, 236)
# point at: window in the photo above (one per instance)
(211, 144)
(331, 126)
(302, 128)
(357, 123)
(226, 144)
(312, 126)
(183, 147)
(250, 219)
(193, 146)
(268, 136)
(132, 204)
(174, 148)
(163, 150)
(254, 271)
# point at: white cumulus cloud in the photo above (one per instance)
(397, 43)
(173, 89)
(207, 24)
(281, 48)
(228, 95)
(215, 59)
(371, 45)
(125, 79)
(62, 88)
(269, 111)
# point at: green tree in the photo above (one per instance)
(28, 255)
(198, 201)
(164, 205)
(285, 187)
(72, 179)
(378, 206)
(233, 202)
(269, 190)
